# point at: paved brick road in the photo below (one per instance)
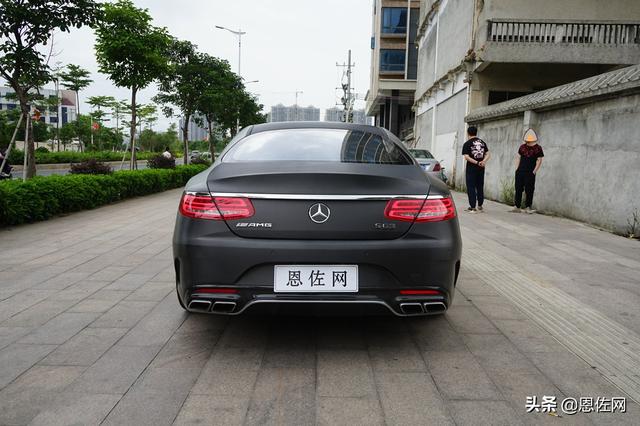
(90, 332)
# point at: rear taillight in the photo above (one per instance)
(437, 167)
(218, 208)
(430, 210)
(234, 207)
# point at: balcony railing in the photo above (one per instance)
(505, 31)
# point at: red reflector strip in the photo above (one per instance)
(429, 210)
(420, 292)
(216, 290)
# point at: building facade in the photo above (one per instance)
(281, 112)
(337, 114)
(476, 53)
(394, 61)
(65, 113)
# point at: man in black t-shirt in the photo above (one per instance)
(476, 154)
(527, 165)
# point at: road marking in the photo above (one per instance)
(610, 347)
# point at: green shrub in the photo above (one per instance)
(90, 167)
(201, 160)
(61, 157)
(161, 162)
(42, 149)
(43, 197)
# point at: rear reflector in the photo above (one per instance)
(204, 207)
(211, 290)
(430, 210)
(420, 292)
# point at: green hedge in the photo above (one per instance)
(61, 157)
(43, 197)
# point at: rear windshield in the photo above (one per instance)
(421, 153)
(334, 145)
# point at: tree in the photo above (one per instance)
(76, 78)
(181, 86)
(131, 51)
(26, 26)
(148, 115)
(219, 93)
(99, 102)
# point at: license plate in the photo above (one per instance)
(315, 278)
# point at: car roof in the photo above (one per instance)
(283, 125)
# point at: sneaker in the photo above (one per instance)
(480, 209)
(515, 210)
(529, 210)
(470, 210)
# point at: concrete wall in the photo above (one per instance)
(454, 40)
(449, 119)
(601, 10)
(590, 171)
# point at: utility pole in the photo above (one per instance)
(347, 99)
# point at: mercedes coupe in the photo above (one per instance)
(316, 216)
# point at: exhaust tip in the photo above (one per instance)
(435, 307)
(411, 308)
(199, 305)
(224, 307)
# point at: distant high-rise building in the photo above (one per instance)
(281, 112)
(197, 132)
(337, 114)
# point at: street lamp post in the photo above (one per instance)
(239, 33)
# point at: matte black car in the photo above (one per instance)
(316, 216)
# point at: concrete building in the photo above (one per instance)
(588, 130)
(281, 112)
(475, 53)
(337, 114)
(66, 111)
(394, 60)
(197, 132)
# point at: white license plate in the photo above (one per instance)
(315, 278)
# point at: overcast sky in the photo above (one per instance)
(290, 45)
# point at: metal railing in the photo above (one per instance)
(507, 31)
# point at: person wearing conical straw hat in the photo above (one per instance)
(528, 163)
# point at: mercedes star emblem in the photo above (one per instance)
(319, 213)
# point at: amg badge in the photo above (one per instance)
(253, 225)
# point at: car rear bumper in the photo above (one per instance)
(211, 257)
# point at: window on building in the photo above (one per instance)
(12, 106)
(392, 60)
(394, 20)
(53, 119)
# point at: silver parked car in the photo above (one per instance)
(426, 160)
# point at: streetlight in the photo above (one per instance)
(239, 33)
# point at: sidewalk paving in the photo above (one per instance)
(91, 332)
